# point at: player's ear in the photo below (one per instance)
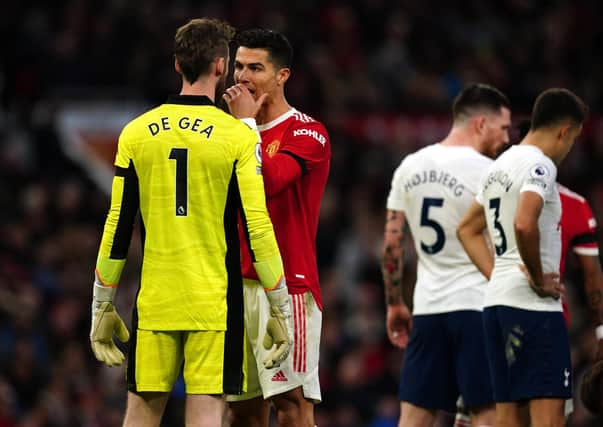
(220, 66)
(282, 76)
(563, 131)
(479, 124)
(177, 66)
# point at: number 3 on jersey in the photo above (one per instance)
(181, 157)
(436, 247)
(501, 247)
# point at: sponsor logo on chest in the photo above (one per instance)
(311, 133)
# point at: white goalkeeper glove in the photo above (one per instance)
(279, 331)
(106, 322)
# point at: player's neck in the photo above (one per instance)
(461, 137)
(199, 88)
(543, 140)
(272, 109)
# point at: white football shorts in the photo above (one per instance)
(301, 366)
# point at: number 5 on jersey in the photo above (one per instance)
(436, 247)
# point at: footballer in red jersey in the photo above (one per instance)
(295, 164)
(578, 226)
(295, 153)
(578, 232)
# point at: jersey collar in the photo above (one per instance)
(189, 100)
(277, 121)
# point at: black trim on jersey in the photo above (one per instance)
(298, 159)
(243, 217)
(232, 370)
(143, 234)
(131, 366)
(119, 171)
(583, 238)
(189, 100)
(132, 347)
(130, 202)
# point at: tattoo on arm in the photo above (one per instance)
(391, 266)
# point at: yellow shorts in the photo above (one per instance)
(156, 358)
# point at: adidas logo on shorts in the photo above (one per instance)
(279, 376)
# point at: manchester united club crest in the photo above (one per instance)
(272, 148)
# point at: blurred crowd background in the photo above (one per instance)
(380, 74)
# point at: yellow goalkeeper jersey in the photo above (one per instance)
(188, 167)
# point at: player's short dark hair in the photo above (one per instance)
(556, 105)
(279, 49)
(198, 43)
(591, 390)
(477, 97)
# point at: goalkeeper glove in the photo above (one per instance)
(105, 322)
(279, 330)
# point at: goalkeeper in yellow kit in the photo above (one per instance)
(189, 169)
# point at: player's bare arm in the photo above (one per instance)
(593, 287)
(527, 235)
(470, 232)
(398, 320)
(391, 265)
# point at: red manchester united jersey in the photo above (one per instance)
(296, 154)
(578, 226)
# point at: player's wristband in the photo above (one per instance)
(279, 297)
(599, 332)
(270, 272)
(101, 293)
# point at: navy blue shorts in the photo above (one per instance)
(446, 358)
(529, 354)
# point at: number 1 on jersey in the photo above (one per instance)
(180, 155)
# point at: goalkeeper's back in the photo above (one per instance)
(183, 164)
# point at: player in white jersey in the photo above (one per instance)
(518, 202)
(431, 191)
